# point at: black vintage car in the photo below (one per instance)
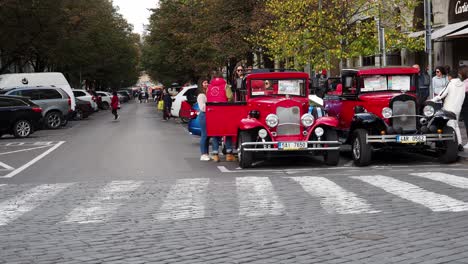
(19, 116)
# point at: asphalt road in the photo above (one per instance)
(134, 191)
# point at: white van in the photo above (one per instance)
(11, 80)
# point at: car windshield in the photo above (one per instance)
(272, 87)
(376, 83)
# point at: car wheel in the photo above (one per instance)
(22, 129)
(184, 120)
(245, 157)
(105, 106)
(79, 114)
(448, 149)
(361, 150)
(53, 120)
(331, 157)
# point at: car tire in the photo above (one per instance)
(22, 129)
(105, 106)
(448, 149)
(53, 120)
(79, 114)
(331, 157)
(245, 157)
(361, 150)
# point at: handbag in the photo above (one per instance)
(161, 105)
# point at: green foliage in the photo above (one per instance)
(189, 39)
(85, 39)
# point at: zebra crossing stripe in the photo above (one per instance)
(185, 200)
(105, 204)
(15, 207)
(333, 198)
(434, 201)
(456, 181)
(257, 197)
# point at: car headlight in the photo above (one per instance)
(319, 131)
(307, 120)
(428, 110)
(387, 112)
(272, 120)
(262, 133)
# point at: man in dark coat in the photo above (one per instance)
(167, 99)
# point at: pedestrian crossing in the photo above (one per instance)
(255, 196)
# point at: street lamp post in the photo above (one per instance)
(428, 40)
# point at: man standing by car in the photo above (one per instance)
(453, 96)
(424, 81)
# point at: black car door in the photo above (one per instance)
(9, 108)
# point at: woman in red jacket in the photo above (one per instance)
(115, 105)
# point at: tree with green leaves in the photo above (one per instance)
(190, 38)
(84, 39)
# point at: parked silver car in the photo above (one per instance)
(55, 103)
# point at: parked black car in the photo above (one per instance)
(19, 116)
(125, 94)
(83, 109)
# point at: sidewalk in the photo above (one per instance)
(463, 154)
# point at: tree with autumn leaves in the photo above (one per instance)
(325, 31)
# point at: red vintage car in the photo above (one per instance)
(378, 109)
(271, 114)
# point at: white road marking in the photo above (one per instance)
(36, 159)
(257, 197)
(434, 201)
(456, 181)
(334, 199)
(22, 150)
(105, 204)
(12, 144)
(15, 207)
(223, 169)
(185, 200)
(6, 166)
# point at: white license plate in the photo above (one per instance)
(292, 145)
(411, 139)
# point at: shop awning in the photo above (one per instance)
(416, 34)
(459, 33)
(442, 32)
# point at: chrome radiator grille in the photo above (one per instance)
(407, 110)
(289, 120)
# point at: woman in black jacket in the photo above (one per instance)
(167, 99)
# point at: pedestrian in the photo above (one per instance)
(464, 111)
(236, 83)
(424, 81)
(140, 96)
(439, 81)
(167, 105)
(453, 96)
(115, 104)
(220, 92)
(201, 100)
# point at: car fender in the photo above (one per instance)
(250, 123)
(330, 121)
(324, 122)
(368, 121)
